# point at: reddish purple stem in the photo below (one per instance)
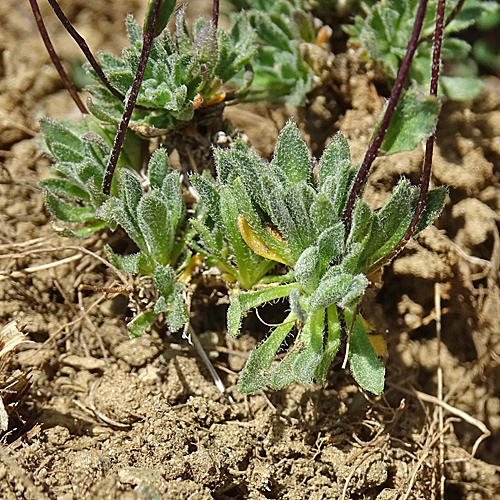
(429, 147)
(147, 41)
(85, 48)
(215, 13)
(372, 152)
(454, 13)
(55, 58)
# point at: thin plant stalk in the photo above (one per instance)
(147, 41)
(372, 151)
(215, 13)
(453, 14)
(55, 58)
(84, 48)
(429, 147)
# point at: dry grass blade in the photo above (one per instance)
(71, 323)
(4, 275)
(422, 396)
(14, 387)
(376, 447)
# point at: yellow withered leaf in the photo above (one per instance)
(376, 339)
(256, 243)
(185, 276)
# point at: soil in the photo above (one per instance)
(111, 418)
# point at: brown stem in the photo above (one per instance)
(147, 40)
(55, 58)
(429, 147)
(84, 48)
(372, 151)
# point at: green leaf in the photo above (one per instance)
(63, 138)
(281, 216)
(302, 362)
(391, 222)
(322, 213)
(250, 169)
(362, 222)
(165, 12)
(178, 317)
(131, 192)
(140, 324)
(66, 212)
(337, 288)
(249, 213)
(366, 368)
(334, 160)
(244, 301)
(133, 263)
(81, 232)
(164, 279)
(251, 267)
(307, 269)
(158, 168)
(343, 189)
(296, 306)
(291, 154)
(330, 245)
(299, 198)
(354, 292)
(256, 373)
(62, 187)
(207, 239)
(461, 88)
(156, 227)
(434, 203)
(331, 347)
(413, 120)
(171, 194)
(209, 195)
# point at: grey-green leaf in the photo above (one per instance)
(140, 324)
(158, 168)
(301, 364)
(243, 302)
(307, 269)
(331, 347)
(335, 158)
(338, 288)
(164, 279)
(256, 372)
(156, 227)
(434, 203)
(366, 368)
(66, 212)
(291, 153)
(413, 120)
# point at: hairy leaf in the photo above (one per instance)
(366, 368)
(413, 120)
(257, 370)
(244, 301)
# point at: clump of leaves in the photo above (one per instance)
(81, 152)
(219, 236)
(153, 219)
(256, 214)
(185, 70)
(386, 29)
(152, 215)
(286, 214)
(289, 58)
